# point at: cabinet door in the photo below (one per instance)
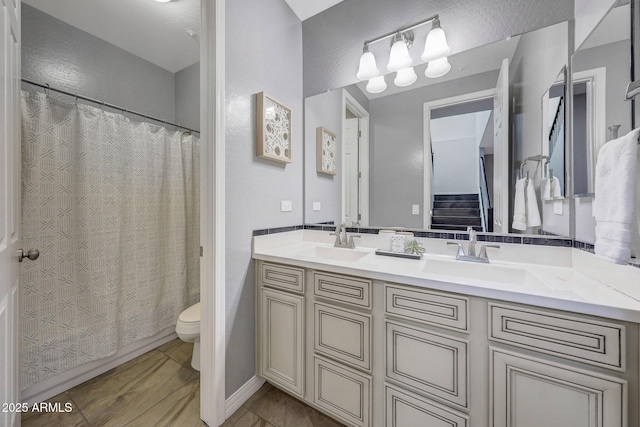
(429, 363)
(282, 345)
(531, 392)
(404, 409)
(343, 392)
(344, 335)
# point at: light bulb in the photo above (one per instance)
(368, 68)
(376, 85)
(436, 46)
(399, 57)
(437, 68)
(405, 77)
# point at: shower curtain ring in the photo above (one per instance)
(47, 90)
(76, 99)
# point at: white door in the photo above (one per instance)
(351, 170)
(10, 238)
(501, 184)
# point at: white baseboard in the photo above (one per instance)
(55, 385)
(237, 399)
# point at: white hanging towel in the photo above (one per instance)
(615, 200)
(533, 214)
(519, 209)
(556, 193)
(545, 189)
(525, 210)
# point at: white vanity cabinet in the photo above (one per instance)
(374, 353)
(281, 326)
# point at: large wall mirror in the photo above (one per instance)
(445, 153)
(601, 72)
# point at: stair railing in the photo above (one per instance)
(486, 209)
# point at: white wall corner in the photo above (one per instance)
(237, 399)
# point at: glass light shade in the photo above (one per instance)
(376, 85)
(399, 57)
(436, 46)
(437, 68)
(405, 77)
(368, 68)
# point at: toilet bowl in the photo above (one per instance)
(188, 330)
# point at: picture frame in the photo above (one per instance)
(273, 136)
(326, 151)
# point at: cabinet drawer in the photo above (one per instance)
(282, 339)
(430, 363)
(283, 277)
(344, 335)
(407, 409)
(345, 289)
(584, 340)
(433, 308)
(342, 392)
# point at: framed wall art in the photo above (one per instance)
(326, 151)
(273, 134)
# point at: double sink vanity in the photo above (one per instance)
(540, 336)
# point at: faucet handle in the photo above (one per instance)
(483, 250)
(352, 244)
(460, 249)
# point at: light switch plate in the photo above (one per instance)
(286, 206)
(316, 206)
(558, 207)
(415, 209)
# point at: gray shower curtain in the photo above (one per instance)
(113, 207)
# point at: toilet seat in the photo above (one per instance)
(188, 323)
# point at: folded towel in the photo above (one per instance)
(614, 204)
(519, 210)
(635, 225)
(545, 189)
(533, 214)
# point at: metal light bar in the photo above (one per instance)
(401, 30)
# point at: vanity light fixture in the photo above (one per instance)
(435, 53)
(163, 1)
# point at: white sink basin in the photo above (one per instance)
(334, 254)
(477, 271)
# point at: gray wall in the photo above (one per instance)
(323, 110)
(263, 53)
(65, 57)
(333, 40)
(536, 63)
(396, 139)
(187, 84)
(616, 57)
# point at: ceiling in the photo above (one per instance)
(307, 8)
(153, 31)
(614, 27)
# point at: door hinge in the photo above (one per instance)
(201, 251)
(359, 134)
(359, 217)
(359, 174)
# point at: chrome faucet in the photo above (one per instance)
(471, 252)
(343, 239)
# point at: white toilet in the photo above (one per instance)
(188, 330)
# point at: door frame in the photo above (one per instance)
(428, 171)
(349, 102)
(596, 113)
(212, 211)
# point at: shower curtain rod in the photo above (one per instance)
(106, 104)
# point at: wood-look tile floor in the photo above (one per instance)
(160, 388)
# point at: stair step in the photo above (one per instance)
(459, 220)
(452, 227)
(455, 204)
(452, 197)
(456, 212)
